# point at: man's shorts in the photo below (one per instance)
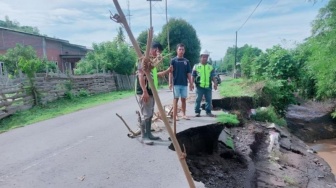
(180, 91)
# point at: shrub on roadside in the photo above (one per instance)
(69, 95)
(83, 93)
(278, 93)
(269, 115)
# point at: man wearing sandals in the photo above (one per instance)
(203, 74)
(179, 79)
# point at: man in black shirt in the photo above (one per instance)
(145, 95)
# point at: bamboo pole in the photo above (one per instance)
(122, 19)
(177, 147)
(174, 112)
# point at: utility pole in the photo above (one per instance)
(128, 13)
(235, 60)
(150, 11)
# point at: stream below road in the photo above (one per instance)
(326, 149)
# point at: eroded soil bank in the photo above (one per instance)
(263, 156)
(311, 121)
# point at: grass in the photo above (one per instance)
(229, 142)
(58, 108)
(227, 118)
(235, 88)
(268, 114)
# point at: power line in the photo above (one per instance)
(250, 15)
(159, 9)
(128, 14)
(235, 58)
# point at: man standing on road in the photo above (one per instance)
(145, 95)
(202, 74)
(179, 79)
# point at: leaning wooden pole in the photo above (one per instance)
(174, 112)
(177, 147)
(122, 19)
(180, 154)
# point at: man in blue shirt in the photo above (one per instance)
(179, 79)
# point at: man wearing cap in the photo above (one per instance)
(203, 75)
(145, 95)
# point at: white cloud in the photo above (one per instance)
(86, 21)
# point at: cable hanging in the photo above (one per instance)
(250, 15)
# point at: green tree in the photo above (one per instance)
(16, 26)
(325, 22)
(258, 67)
(95, 61)
(322, 46)
(276, 63)
(120, 38)
(247, 56)
(30, 67)
(108, 56)
(142, 40)
(281, 64)
(306, 80)
(12, 56)
(181, 31)
(229, 59)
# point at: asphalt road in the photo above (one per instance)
(89, 148)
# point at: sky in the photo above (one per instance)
(84, 22)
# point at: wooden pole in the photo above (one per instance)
(180, 154)
(177, 147)
(122, 19)
(174, 112)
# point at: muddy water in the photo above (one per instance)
(327, 150)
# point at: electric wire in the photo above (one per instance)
(250, 15)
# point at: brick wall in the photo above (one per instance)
(9, 39)
(46, 47)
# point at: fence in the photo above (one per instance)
(15, 94)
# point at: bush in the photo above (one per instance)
(269, 115)
(278, 93)
(83, 93)
(69, 95)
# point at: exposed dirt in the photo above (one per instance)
(238, 104)
(252, 163)
(264, 155)
(312, 121)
